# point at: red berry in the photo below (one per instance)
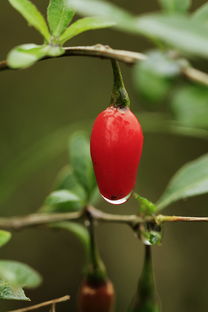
(98, 298)
(116, 147)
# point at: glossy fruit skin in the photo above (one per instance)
(116, 147)
(97, 298)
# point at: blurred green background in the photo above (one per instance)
(58, 93)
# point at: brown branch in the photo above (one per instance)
(43, 304)
(33, 220)
(161, 219)
(18, 223)
(124, 56)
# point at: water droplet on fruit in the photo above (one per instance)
(117, 201)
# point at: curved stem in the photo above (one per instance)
(127, 57)
(119, 97)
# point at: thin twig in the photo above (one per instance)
(53, 308)
(43, 304)
(196, 75)
(18, 223)
(124, 56)
(33, 220)
(161, 219)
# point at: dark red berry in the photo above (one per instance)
(116, 147)
(96, 298)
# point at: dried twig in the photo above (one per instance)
(43, 304)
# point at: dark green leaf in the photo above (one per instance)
(11, 292)
(190, 106)
(177, 6)
(26, 55)
(190, 180)
(82, 25)
(29, 11)
(179, 31)
(5, 236)
(19, 274)
(79, 150)
(201, 15)
(153, 76)
(59, 16)
(62, 201)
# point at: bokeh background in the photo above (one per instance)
(60, 93)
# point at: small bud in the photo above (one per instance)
(96, 297)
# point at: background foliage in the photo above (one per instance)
(53, 95)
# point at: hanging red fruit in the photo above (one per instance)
(96, 298)
(116, 145)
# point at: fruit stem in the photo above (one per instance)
(145, 299)
(119, 97)
(96, 272)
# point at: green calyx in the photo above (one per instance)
(145, 300)
(119, 97)
(96, 276)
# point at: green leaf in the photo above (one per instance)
(201, 15)
(77, 229)
(153, 76)
(29, 160)
(190, 180)
(145, 206)
(66, 180)
(19, 274)
(62, 201)
(190, 106)
(5, 236)
(79, 151)
(29, 11)
(11, 292)
(84, 24)
(59, 16)
(110, 12)
(26, 55)
(178, 31)
(173, 6)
